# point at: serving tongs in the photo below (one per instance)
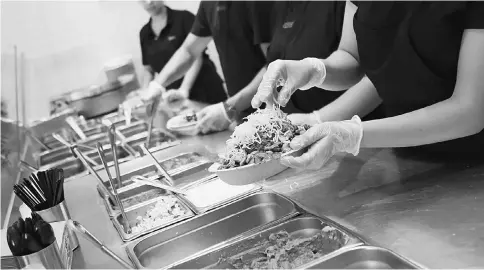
(122, 138)
(100, 151)
(76, 226)
(158, 165)
(26, 166)
(112, 141)
(147, 181)
(74, 148)
(74, 126)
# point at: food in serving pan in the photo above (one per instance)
(192, 117)
(264, 136)
(283, 251)
(142, 197)
(166, 209)
(183, 160)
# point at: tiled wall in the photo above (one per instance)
(64, 45)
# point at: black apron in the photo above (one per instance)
(402, 79)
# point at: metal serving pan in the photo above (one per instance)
(208, 231)
(71, 167)
(131, 192)
(250, 247)
(364, 257)
(212, 193)
(185, 176)
(95, 130)
(160, 139)
(54, 155)
(133, 129)
(132, 214)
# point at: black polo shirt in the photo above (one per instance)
(307, 29)
(156, 52)
(238, 28)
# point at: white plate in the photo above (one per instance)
(179, 125)
(252, 173)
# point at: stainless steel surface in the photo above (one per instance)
(150, 182)
(158, 166)
(160, 140)
(298, 227)
(133, 129)
(133, 213)
(209, 231)
(47, 258)
(74, 225)
(95, 130)
(71, 166)
(101, 103)
(122, 155)
(365, 257)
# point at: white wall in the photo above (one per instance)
(65, 43)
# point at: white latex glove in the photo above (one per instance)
(174, 95)
(305, 118)
(154, 89)
(291, 75)
(213, 118)
(325, 140)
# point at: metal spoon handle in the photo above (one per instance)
(72, 123)
(112, 140)
(91, 238)
(153, 108)
(100, 151)
(158, 185)
(158, 165)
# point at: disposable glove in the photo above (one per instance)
(154, 89)
(291, 75)
(212, 119)
(175, 95)
(305, 118)
(325, 140)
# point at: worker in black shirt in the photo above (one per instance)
(307, 29)
(241, 33)
(161, 37)
(423, 60)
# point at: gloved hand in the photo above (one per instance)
(175, 95)
(154, 89)
(291, 75)
(213, 118)
(325, 140)
(305, 118)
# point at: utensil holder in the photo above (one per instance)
(48, 258)
(57, 213)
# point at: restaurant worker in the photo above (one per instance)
(423, 60)
(161, 37)
(241, 33)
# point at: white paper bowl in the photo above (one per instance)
(251, 173)
(178, 125)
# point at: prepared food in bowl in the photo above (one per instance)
(264, 136)
(284, 251)
(166, 209)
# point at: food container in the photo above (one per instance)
(213, 193)
(364, 257)
(159, 140)
(95, 130)
(251, 173)
(71, 166)
(210, 230)
(180, 125)
(133, 129)
(182, 178)
(132, 195)
(121, 152)
(142, 210)
(321, 237)
(54, 155)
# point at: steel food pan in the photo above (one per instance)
(365, 257)
(54, 155)
(208, 231)
(183, 176)
(212, 192)
(93, 140)
(94, 155)
(133, 213)
(255, 246)
(159, 140)
(133, 129)
(95, 130)
(132, 195)
(71, 166)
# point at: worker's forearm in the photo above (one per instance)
(342, 71)
(176, 67)
(191, 75)
(242, 99)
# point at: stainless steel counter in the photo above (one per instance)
(429, 211)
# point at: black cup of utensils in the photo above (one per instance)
(29, 236)
(42, 190)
